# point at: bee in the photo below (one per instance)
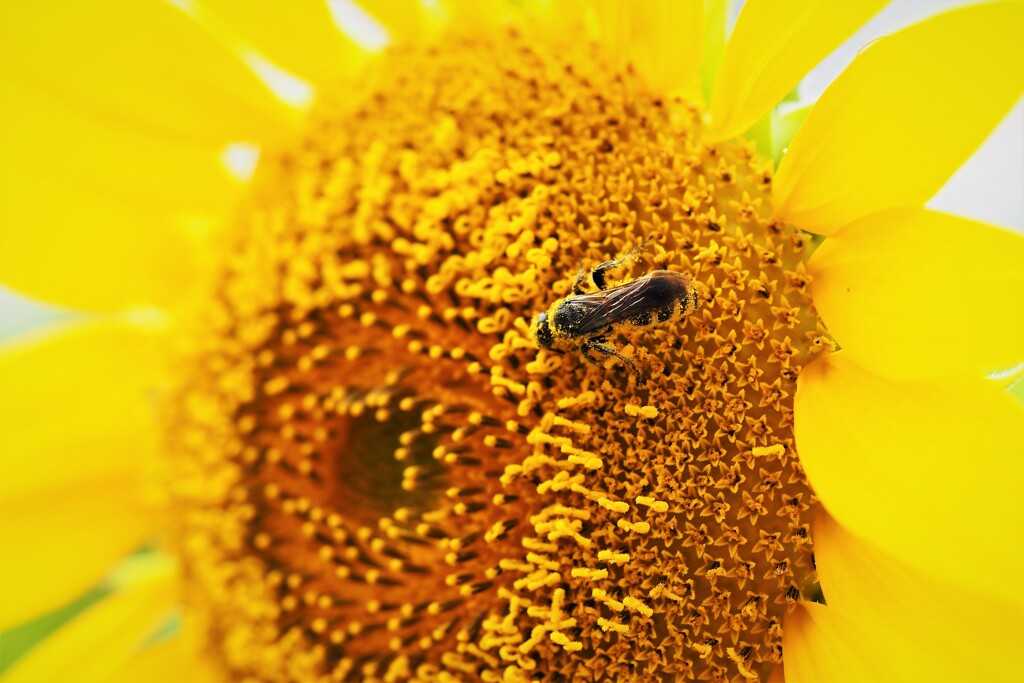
(584, 320)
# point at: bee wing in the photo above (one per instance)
(612, 306)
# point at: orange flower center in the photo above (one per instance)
(384, 477)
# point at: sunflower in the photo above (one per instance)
(310, 414)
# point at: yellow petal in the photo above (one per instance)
(96, 643)
(930, 471)
(664, 38)
(47, 145)
(174, 660)
(76, 441)
(59, 543)
(75, 404)
(771, 48)
(907, 621)
(900, 120)
(471, 17)
(777, 675)
(140, 64)
(817, 647)
(550, 21)
(1017, 389)
(81, 250)
(299, 36)
(404, 20)
(785, 124)
(716, 26)
(917, 293)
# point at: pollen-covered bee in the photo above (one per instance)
(583, 320)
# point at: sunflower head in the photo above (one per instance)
(414, 482)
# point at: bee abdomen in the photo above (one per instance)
(673, 312)
(642, 319)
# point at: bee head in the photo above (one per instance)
(542, 330)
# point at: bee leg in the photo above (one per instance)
(597, 345)
(598, 273)
(577, 284)
(585, 352)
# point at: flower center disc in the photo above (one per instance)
(384, 478)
